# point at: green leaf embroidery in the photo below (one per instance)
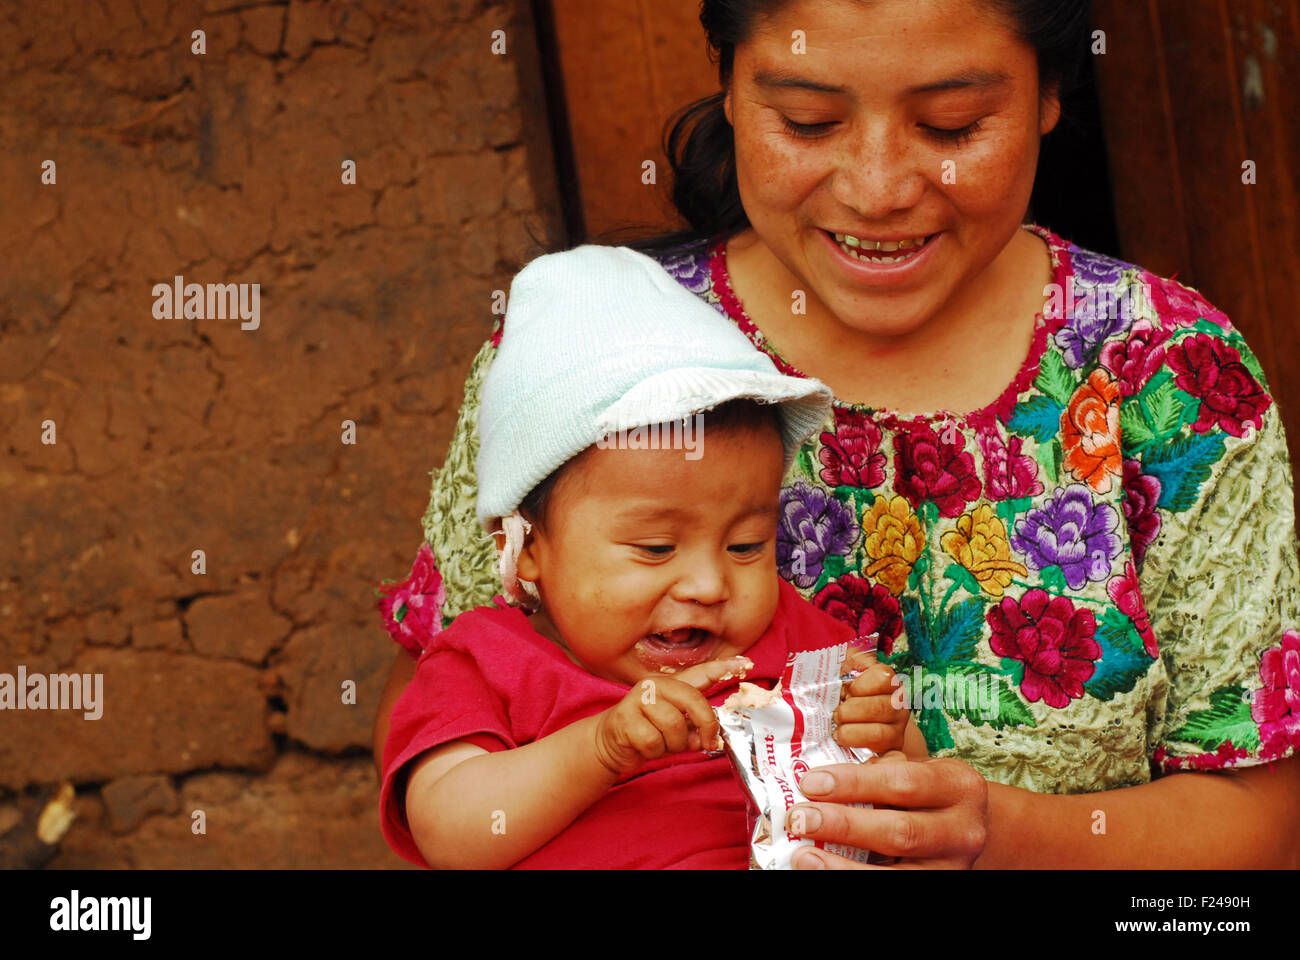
(1015, 669)
(1228, 718)
(934, 726)
(1055, 379)
(958, 630)
(400, 615)
(1182, 466)
(1049, 457)
(1164, 409)
(1124, 659)
(1038, 417)
(805, 460)
(983, 697)
(918, 571)
(1053, 577)
(918, 634)
(1133, 427)
(960, 575)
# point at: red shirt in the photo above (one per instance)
(491, 679)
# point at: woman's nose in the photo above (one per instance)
(875, 173)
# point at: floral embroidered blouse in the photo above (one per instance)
(1090, 582)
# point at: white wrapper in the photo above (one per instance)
(772, 746)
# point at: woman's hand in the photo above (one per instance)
(936, 812)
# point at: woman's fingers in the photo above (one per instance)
(938, 815)
(810, 858)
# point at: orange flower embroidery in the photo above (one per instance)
(980, 545)
(1090, 432)
(893, 540)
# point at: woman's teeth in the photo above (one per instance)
(858, 248)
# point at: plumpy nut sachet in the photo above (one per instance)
(773, 737)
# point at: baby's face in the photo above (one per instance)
(649, 562)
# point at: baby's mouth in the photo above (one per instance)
(676, 649)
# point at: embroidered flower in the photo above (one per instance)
(691, 270)
(814, 525)
(1009, 474)
(412, 609)
(928, 467)
(1097, 268)
(1095, 318)
(1073, 532)
(1127, 594)
(866, 607)
(1226, 756)
(980, 545)
(1141, 495)
(893, 540)
(1135, 359)
(1052, 639)
(1180, 305)
(1090, 432)
(1231, 397)
(851, 455)
(1276, 706)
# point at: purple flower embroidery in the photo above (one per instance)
(1073, 532)
(1096, 268)
(1141, 494)
(691, 270)
(814, 525)
(1095, 318)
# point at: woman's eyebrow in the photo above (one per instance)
(970, 78)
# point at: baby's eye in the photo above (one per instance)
(746, 548)
(655, 549)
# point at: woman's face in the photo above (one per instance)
(901, 120)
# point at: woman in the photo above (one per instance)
(1070, 520)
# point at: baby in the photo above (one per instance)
(632, 449)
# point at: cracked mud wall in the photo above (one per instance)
(222, 691)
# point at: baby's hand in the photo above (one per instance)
(662, 715)
(867, 717)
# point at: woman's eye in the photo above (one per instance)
(807, 131)
(958, 136)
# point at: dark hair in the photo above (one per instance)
(741, 414)
(700, 145)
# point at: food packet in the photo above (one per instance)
(773, 737)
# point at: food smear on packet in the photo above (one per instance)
(773, 737)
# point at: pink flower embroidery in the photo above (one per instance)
(1212, 370)
(851, 455)
(1052, 639)
(1180, 305)
(1276, 706)
(1009, 474)
(412, 609)
(930, 468)
(1126, 593)
(1136, 358)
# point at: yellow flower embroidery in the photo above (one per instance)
(980, 545)
(894, 540)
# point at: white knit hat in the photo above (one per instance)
(600, 339)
